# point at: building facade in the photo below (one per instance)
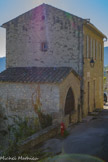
(45, 37)
(54, 91)
(49, 37)
(93, 68)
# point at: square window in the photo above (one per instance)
(44, 46)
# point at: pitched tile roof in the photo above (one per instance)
(36, 74)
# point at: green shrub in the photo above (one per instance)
(45, 120)
(66, 133)
(24, 128)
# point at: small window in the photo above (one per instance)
(44, 46)
(87, 46)
(94, 54)
(43, 17)
(96, 49)
(100, 51)
(91, 48)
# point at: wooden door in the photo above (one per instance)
(88, 97)
(69, 104)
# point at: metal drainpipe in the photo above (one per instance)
(82, 82)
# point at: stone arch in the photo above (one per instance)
(69, 103)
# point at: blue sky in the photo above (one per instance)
(96, 10)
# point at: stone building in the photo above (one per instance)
(58, 52)
(93, 68)
(21, 86)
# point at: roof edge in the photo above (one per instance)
(4, 24)
(74, 73)
(93, 27)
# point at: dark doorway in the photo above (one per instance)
(69, 104)
(94, 94)
(88, 97)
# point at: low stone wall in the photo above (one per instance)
(39, 137)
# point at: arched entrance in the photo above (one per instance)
(69, 104)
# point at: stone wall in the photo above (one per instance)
(65, 34)
(16, 99)
(39, 137)
(62, 32)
